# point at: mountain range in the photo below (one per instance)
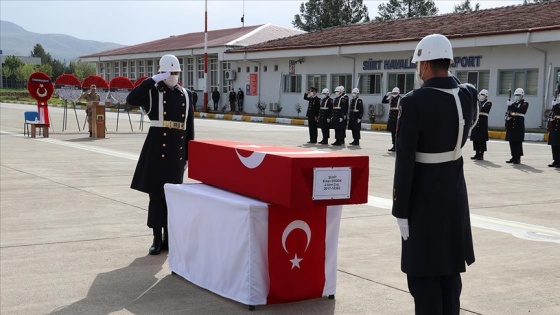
(15, 40)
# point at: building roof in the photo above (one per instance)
(498, 21)
(240, 36)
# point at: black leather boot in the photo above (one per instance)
(480, 156)
(155, 249)
(165, 240)
(475, 157)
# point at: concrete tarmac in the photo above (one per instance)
(74, 240)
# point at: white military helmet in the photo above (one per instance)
(356, 90)
(483, 92)
(169, 63)
(339, 88)
(325, 91)
(431, 47)
(396, 90)
(519, 91)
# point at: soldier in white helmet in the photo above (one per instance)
(515, 125)
(393, 98)
(355, 116)
(479, 133)
(325, 110)
(430, 198)
(164, 155)
(339, 116)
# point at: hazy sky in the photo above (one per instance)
(133, 22)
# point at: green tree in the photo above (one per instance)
(58, 68)
(81, 69)
(401, 9)
(25, 71)
(465, 6)
(320, 14)
(11, 65)
(46, 68)
(39, 51)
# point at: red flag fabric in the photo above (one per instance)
(296, 253)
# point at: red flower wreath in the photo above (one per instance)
(39, 86)
(139, 80)
(120, 87)
(100, 83)
(68, 87)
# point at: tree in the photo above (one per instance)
(11, 65)
(39, 51)
(81, 69)
(25, 71)
(58, 68)
(320, 14)
(401, 9)
(465, 6)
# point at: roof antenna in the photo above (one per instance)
(243, 16)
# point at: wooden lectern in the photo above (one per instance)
(98, 119)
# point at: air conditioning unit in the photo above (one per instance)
(230, 75)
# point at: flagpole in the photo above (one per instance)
(205, 55)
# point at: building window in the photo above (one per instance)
(342, 79)
(265, 68)
(141, 71)
(200, 67)
(370, 83)
(124, 68)
(318, 81)
(248, 69)
(189, 72)
(275, 68)
(150, 64)
(132, 70)
(256, 69)
(480, 79)
(108, 69)
(527, 79)
(292, 83)
(238, 69)
(116, 68)
(227, 85)
(404, 81)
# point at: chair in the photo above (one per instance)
(29, 118)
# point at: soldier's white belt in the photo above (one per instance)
(483, 114)
(516, 114)
(168, 124)
(556, 117)
(434, 158)
(393, 108)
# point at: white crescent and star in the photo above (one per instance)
(256, 158)
(296, 224)
(42, 87)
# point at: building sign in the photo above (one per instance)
(253, 83)
(399, 64)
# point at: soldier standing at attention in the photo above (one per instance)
(312, 113)
(164, 155)
(430, 198)
(325, 111)
(393, 97)
(232, 99)
(90, 96)
(515, 125)
(554, 133)
(479, 134)
(339, 116)
(215, 98)
(240, 97)
(355, 116)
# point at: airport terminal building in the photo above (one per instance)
(496, 49)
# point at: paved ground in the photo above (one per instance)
(73, 238)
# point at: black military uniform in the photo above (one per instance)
(165, 151)
(479, 133)
(554, 134)
(215, 98)
(339, 118)
(232, 99)
(393, 116)
(515, 129)
(312, 114)
(194, 98)
(325, 112)
(240, 97)
(355, 119)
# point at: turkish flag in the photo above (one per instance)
(296, 253)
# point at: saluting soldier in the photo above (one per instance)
(164, 155)
(479, 133)
(339, 115)
(355, 116)
(90, 96)
(394, 98)
(312, 113)
(554, 133)
(325, 112)
(430, 198)
(515, 125)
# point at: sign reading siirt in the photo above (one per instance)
(331, 183)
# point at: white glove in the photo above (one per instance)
(340, 119)
(359, 121)
(328, 120)
(389, 94)
(403, 226)
(509, 102)
(161, 76)
(186, 165)
(554, 102)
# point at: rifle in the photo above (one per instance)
(507, 106)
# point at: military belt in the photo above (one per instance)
(516, 114)
(434, 158)
(483, 114)
(394, 108)
(556, 116)
(168, 124)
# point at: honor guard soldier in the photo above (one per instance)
(393, 98)
(240, 98)
(554, 133)
(90, 96)
(339, 116)
(325, 112)
(232, 99)
(479, 133)
(515, 125)
(312, 113)
(165, 152)
(430, 198)
(355, 116)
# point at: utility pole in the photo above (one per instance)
(205, 56)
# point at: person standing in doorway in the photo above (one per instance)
(216, 98)
(479, 134)
(240, 97)
(393, 98)
(164, 155)
(430, 198)
(355, 116)
(515, 125)
(232, 99)
(312, 113)
(325, 110)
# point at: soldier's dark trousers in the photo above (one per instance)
(215, 105)
(516, 148)
(556, 153)
(393, 138)
(240, 105)
(436, 295)
(312, 124)
(479, 146)
(339, 135)
(356, 134)
(157, 211)
(326, 133)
